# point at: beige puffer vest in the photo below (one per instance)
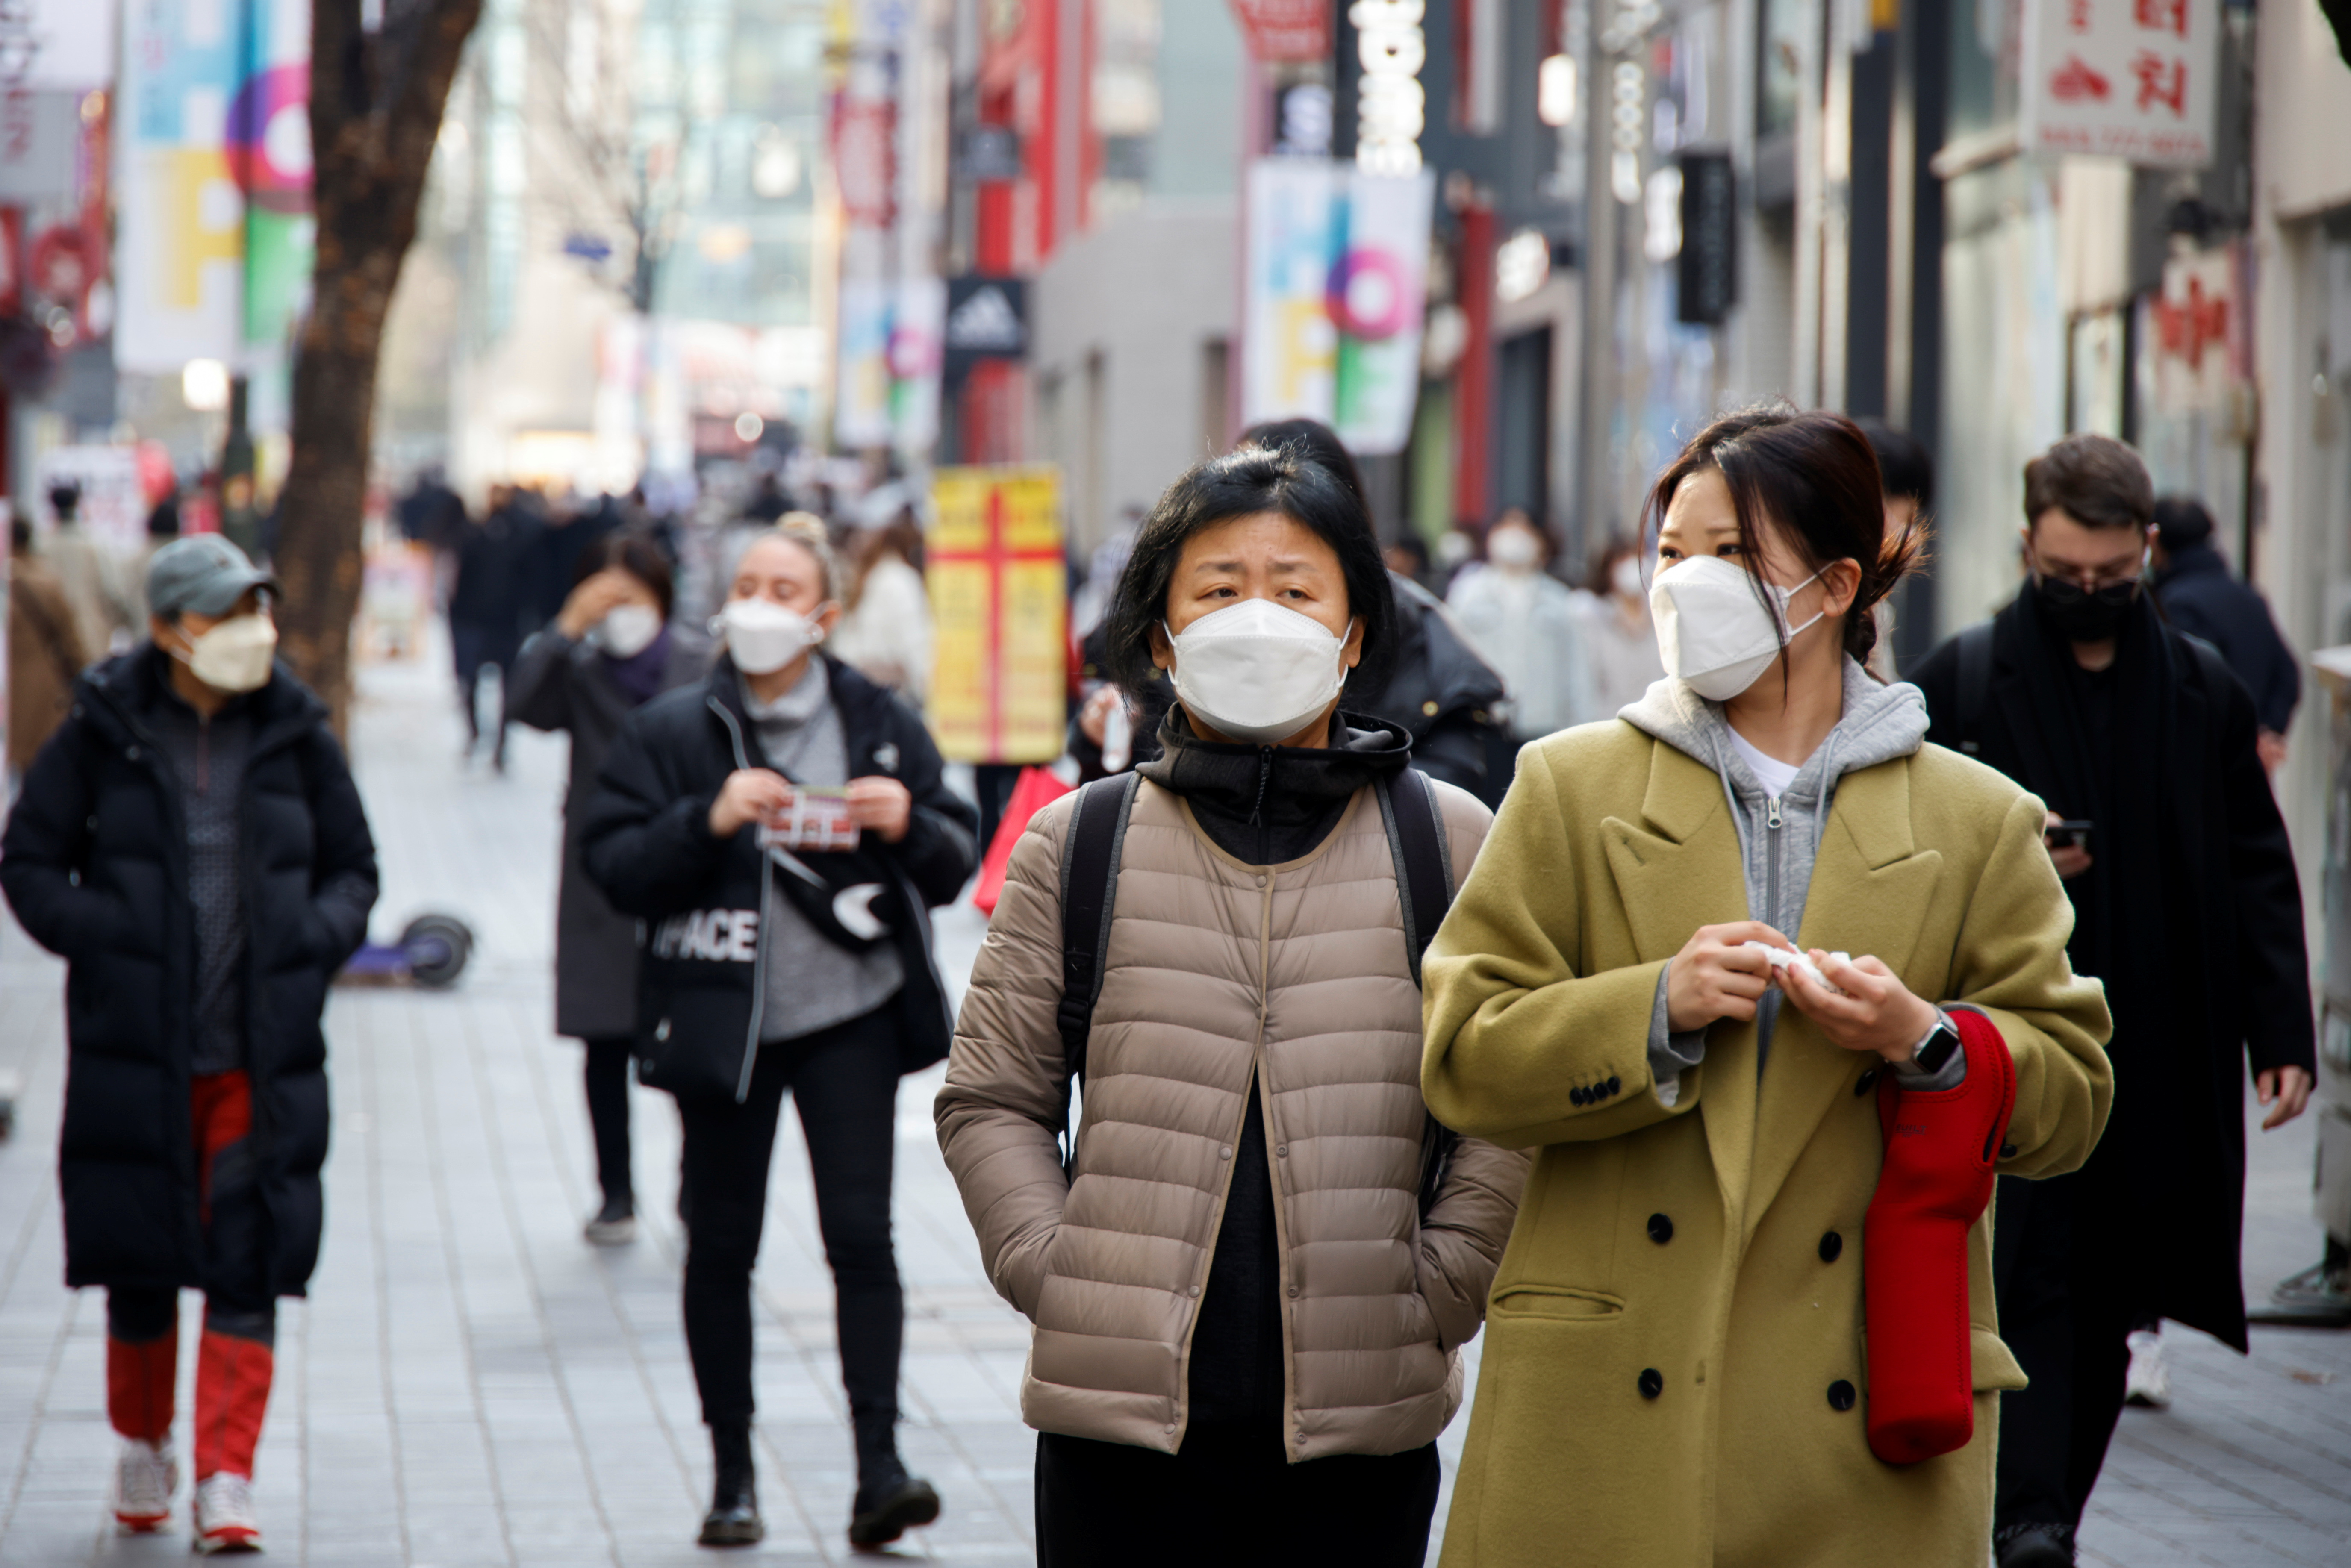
(1215, 967)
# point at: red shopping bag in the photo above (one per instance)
(1036, 788)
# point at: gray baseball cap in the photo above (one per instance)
(203, 573)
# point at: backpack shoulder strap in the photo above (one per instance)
(1423, 871)
(1424, 874)
(1975, 684)
(1090, 856)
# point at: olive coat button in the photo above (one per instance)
(1661, 1228)
(1832, 1245)
(1865, 1083)
(2007, 1151)
(1576, 1096)
(1652, 1384)
(1841, 1395)
(1615, 1084)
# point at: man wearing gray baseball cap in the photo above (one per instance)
(191, 842)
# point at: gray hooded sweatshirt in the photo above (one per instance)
(1780, 836)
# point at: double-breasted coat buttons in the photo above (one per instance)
(1661, 1228)
(1651, 1382)
(1842, 1395)
(1832, 1246)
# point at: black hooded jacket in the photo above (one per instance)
(95, 863)
(644, 838)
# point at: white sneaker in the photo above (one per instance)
(2146, 1383)
(224, 1516)
(145, 1476)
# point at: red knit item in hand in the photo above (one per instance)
(1940, 1153)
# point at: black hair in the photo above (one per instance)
(1250, 479)
(64, 497)
(1318, 445)
(634, 554)
(2181, 522)
(1413, 545)
(1904, 464)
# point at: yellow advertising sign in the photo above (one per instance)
(999, 603)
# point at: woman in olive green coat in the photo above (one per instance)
(1675, 1366)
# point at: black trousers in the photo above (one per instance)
(845, 1080)
(607, 1074)
(1230, 1499)
(2063, 1315)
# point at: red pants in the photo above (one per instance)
(237, 1354)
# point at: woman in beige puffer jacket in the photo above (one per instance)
(1247, 1335)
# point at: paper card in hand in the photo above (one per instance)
(818, 820)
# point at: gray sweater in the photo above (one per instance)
(1779, 835)
(813, 982)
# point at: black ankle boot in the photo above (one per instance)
(733, 1517)
(889, 1500)
(2034, 1546)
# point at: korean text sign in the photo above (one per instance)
(2122, 78)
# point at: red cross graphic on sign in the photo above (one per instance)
(2187, 326)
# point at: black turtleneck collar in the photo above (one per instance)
(1269, 804)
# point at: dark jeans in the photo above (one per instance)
(607, 1073)
(476, 649)
(1230, 1499)
(2069, 1328)
(845, 1080)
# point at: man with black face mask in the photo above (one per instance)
(2142, 745)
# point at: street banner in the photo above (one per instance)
(214, 170)
(2121, 78)
(999, 604)
(887, 394)
(1336, 279)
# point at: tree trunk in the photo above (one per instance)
(375, 116)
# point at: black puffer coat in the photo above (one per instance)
(95, 863)
(645, 838)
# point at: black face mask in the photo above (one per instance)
(2084, 615)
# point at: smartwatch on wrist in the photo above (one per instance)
(1933, 1053)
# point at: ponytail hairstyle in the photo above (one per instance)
(1814, 475)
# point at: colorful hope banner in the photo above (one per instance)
(213, 172)
(1337, 275)
(999, 601)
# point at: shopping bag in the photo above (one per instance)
(1036, 788)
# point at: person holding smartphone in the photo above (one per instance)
(2187, 905)
(771, 964)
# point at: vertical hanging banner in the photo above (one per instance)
(213, 170)
(2121, 78)
(1337, 278)
(999, 602)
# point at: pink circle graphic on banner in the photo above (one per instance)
(270, 139)
(1367, 294)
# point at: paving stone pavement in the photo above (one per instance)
(469, 1384)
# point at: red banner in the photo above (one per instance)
(1285, 31)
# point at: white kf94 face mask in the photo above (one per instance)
(762, 636)
(1713, 632)
(234, 656)
(628, 629)
(1255, 671)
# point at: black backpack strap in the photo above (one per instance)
(1424, 873)
(1975, 684)
(1090, 855)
